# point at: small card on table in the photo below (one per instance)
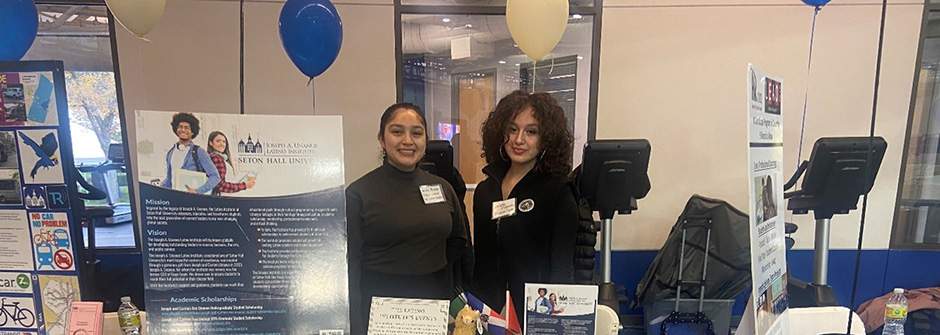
(398, 316)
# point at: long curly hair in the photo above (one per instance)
(554, 138)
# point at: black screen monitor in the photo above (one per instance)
(837, 166)
(614, 174)
(439, 160)
(116, 153)
(835, 175)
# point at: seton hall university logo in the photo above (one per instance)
(250, 147)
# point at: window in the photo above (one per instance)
(79, 35)
(457, 59)
(917, 217)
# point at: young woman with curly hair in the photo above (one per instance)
(525, 212)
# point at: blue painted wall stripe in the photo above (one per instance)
(881, 271)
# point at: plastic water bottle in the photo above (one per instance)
(895, 313)
(129, 317)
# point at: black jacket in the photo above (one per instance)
(533, 246)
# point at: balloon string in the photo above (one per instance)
(809, 66)
(241, 58)
(143, 74)
(535, 75)
(552, 68)
(313, 92)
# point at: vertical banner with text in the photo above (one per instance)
(765, 180)
(244, 223)
(41, 250)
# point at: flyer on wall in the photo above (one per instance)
(560, 309)
(40, 255)
(765, 180)
(244, 223)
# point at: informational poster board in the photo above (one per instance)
(765, 180)
(260, 251)
(560, 309)
(40, 234)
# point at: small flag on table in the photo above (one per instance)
(494, 323)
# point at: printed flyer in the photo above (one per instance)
(560, 309)
(765, 179)
(244, 223)
(28, 98)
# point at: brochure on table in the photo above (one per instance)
(86, 318)
(765, 179)
(40, 236)
(262, 250)
(560, 309)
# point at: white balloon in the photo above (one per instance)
(537, 25)
(137, 16)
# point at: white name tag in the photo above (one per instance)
(432, 194)
(505, 208)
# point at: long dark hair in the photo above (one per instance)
(554, 138)
(228, 155)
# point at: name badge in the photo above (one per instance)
(432, 194)
(505, 208)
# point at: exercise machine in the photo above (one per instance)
(613, 176)
(833, 181)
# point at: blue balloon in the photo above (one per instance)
(19, 22)
(816, 3)
(312, 34)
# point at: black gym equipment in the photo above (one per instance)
(613, 176)
(833, 182)
(99, 215)
(439, 160)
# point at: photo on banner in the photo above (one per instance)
(765, 166)
(8, 156)
(10, 188)
(244, 222)
(28, 99)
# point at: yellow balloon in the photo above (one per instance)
(536, 25)
(137, 16)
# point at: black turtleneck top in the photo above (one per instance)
(394, 238)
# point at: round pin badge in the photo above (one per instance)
(526, 205)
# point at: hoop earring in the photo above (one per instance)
(501, 155)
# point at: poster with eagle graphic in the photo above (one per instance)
(39, 156)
